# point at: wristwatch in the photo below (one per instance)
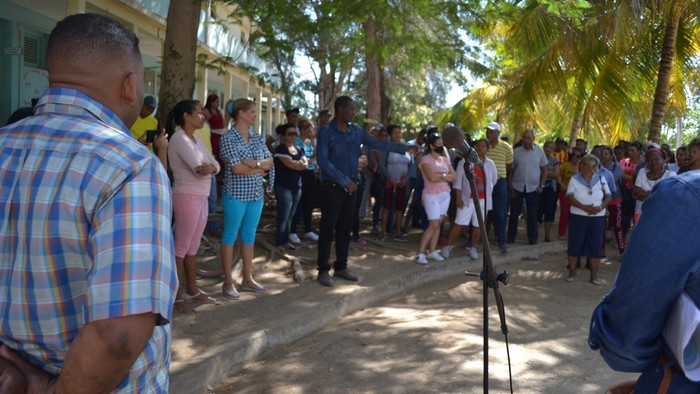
(257, 164)
(541, 186)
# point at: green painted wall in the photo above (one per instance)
(20, 83)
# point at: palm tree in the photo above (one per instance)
(598, 71)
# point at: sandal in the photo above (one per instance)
(256, 288)
(231, 294)
(285, 247)
(201, 297)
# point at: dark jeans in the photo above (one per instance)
(628, 205)
(337, 214)
(309, 195)
(532, 201)
(378, 193)
(548, 204)
(356, 215)
(500, 210)
(287, 201)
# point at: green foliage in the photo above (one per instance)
(414, 38)
(581, 68)
(574, 10)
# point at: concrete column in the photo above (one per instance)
(201, 82)
(75, 7)
(227, 95)
(246, 87)
(279, 109)
(270, 129)
(258, 118)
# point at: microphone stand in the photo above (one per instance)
(487, 275)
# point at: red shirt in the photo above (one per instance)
(479, 181)
(628, 168)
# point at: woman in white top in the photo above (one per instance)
(589, 195)
(466, 211)
(647, 177)
(394, 168)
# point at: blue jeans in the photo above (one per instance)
(532, 201)
(287, 201)
(213, 197)
(500, 210)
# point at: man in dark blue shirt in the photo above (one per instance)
(660, 263)
(338, 151)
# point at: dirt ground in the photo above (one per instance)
(430, 340)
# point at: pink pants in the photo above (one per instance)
(190, 215)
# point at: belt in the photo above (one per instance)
(334, 184)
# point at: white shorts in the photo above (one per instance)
(467, 214)
(436, 205)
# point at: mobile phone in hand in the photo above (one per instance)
(151, 135)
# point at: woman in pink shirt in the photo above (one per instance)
(437, 172)
(193, 166)
(629, 167)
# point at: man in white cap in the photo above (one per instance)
(502, 155)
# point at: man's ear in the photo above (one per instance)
(129, 91)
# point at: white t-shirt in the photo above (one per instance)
(645, 184)
(462, 183)
(588, 194)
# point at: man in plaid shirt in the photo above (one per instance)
(87, 277)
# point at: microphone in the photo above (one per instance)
(453, 137)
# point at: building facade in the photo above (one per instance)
(25, 26)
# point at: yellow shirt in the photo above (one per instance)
(562, 156)
(142, 124)
(502, 155)
(566, 171)
(205, 134)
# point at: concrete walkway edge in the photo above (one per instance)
(225, 359)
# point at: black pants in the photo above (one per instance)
(532, 200)
(356, 215)
(337, 211)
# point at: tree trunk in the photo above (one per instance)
(179, 55)
(384, 99)
(576, 124)
(668, 54)
(374, 97)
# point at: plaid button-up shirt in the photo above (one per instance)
(85, 234)
(233, 150)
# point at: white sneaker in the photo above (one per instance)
(311, 235)
(420, 259)
(294, 238)
(473, 254)
(445, 252)
(435, 256)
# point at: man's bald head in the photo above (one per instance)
(100, 57)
